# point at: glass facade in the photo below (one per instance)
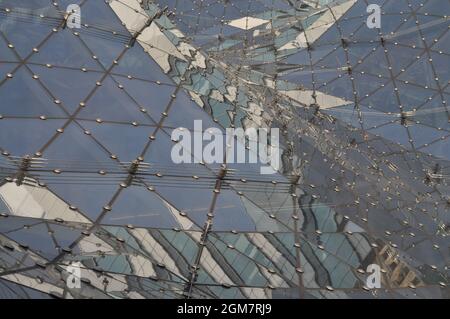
(87, 179)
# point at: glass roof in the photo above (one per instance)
(86, 176)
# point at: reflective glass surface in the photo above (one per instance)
(86, 176)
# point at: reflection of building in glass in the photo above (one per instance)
(400, 273)
(86, 117)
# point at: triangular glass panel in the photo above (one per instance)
(26, 136)
(66, 49)
(123, 140)
(71, 87)
(110, 103)
(140, 207)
